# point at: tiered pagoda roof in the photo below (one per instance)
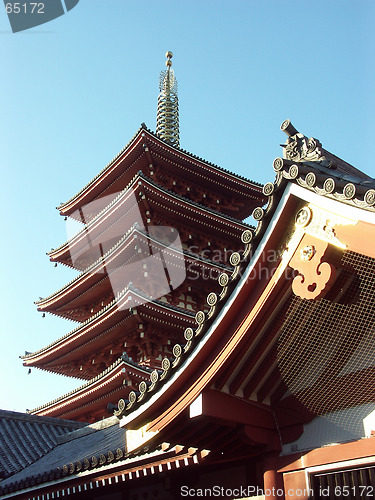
(174, 168)
(87, 401)
(90, 291)
(146, 203)
(153, 207)
(92, 346)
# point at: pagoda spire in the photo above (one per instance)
(167, 123)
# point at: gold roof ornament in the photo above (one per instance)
(167, 121)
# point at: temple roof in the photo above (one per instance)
(179, 211)
(96, 448)
(81, 444)
(88, 400)
(93, 281)
(327, 182)
(354, 190)
(144, 141)
(25, 438)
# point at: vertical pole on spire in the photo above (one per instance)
(167, 121)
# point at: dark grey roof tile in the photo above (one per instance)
(26, 438)
(79, 445)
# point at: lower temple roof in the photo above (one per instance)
(90, 450)
(25, 438)
(78, 445)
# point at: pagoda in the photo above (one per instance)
(268, 395)
(158, 228)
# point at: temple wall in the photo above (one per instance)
(337, 427)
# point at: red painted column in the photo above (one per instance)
(273, 481)
(296, 486)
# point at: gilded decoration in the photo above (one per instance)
(310, 248)
(315, 276)
(307, 253)
(303, 217)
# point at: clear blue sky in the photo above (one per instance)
(74, 92)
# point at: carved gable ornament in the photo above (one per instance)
(315, 275)
(299, 148)
(313, 250)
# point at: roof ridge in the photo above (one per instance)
(195, 157)
(326, 182)
(316, 165)
(144, 128)
(301, 173)
(43, 420)
(195, 203)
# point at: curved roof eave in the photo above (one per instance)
(223, 218)
(143, 406)
(95, 384)
(112, 307)
(64, 207)
(67, 206)
(113, 252)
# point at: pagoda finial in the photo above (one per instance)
(169, 56)
(167, 121)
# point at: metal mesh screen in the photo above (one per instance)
(326, 347)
